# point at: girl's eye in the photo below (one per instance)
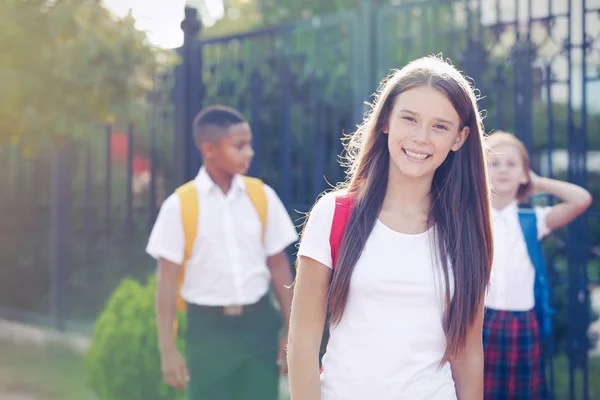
(410, 119)
(441, 127)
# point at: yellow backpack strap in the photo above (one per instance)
(256, 191)
(188, 197)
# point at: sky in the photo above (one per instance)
(161, 19)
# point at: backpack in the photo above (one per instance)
(188, 196)
(543, 310)
(341, 215)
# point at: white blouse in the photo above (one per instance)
(513, 275)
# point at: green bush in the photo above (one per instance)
(123, 362)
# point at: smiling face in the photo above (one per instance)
(507, 169)
(422, 127)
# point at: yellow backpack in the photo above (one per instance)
(188, 197)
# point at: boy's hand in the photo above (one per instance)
(174, 369)
(282, 355)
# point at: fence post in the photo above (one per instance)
(189, 94)
(129, 221)
(366, 80)
(59, 232)
(108, 180)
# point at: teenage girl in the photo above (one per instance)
(400, 255)
(518, 311)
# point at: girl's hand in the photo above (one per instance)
(535, 183)
(574, 199)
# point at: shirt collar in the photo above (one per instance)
(511, 209)
(206, 184)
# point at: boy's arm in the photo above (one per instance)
(173, 366)
(281, 276)
(575, 200)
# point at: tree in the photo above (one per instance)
(64, 64)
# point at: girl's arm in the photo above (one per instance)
(467, 367)
(309, 307)
(575, 200)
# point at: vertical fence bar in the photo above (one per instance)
(318, 146)
(55, 242)
(550, 121)
(108, 181)
(192, 91)
(178, 95)
(59, 233)
(573, 345)
(582, 144)
(285, 184)
(87, 206)
(256, 84)
(153, 169)
(549, 173)
(129, 189)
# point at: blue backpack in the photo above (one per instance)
(543, 309)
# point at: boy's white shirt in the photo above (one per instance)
(228, 262)
(513, 275)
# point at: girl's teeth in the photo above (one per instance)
(416, 155)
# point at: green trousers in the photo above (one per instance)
(233, 357)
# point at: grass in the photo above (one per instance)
(42, 373)
(47, 373)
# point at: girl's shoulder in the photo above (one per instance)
(331, 196)
(325, 204)
(317, 229)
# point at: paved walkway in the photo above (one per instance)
(21, 333)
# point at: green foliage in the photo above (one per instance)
(66, 64)
(277, 11)
(123, 362)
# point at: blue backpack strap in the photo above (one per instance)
(543, 309)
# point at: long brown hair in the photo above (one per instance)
(460, 206)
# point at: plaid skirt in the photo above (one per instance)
(514, 366)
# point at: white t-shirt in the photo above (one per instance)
(390, 341)
(228, 264)
(513, 276)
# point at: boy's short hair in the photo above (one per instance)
(216, 116)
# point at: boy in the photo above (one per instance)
(232, 344)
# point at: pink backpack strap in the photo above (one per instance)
(341, 215)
